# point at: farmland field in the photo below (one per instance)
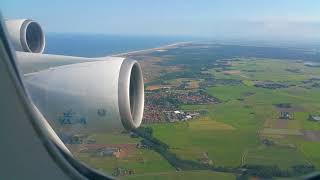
(261, 116)
(185, 175)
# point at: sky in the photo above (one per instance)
(285, 19)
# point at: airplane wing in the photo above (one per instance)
(77, 94)
(27, 148)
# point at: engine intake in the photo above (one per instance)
(131, 94)
(26, 35)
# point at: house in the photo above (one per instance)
(286, 115)
(111, 152)
(314, 118)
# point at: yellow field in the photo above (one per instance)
(272, 131)
(206, 123)
(153, 87)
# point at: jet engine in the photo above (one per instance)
(26, 35)
(77, 94)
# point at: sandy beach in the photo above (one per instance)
(161, 48)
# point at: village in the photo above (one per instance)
(162, 105)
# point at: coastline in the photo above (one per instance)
(161, 48)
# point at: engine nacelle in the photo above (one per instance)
(26, 35)
(96, 95)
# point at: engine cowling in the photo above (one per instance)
(26, 35)
(95, 95)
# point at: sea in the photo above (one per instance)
(93, 45)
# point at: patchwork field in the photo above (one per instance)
(262, 118)
(275, 156)
(235, 129)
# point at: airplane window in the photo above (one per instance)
(174, 89)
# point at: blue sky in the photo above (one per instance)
(211, 18)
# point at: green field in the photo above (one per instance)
(141, 161)
(233, 126)
(231, 133)
(113, 137)
(205, 175)
(275, 156)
